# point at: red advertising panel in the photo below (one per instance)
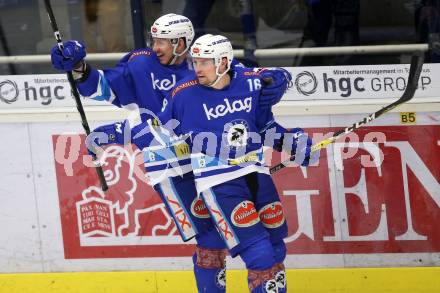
(376, 191)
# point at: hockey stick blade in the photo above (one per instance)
(75, 93)
(413, 78)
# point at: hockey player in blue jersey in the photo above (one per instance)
(227, 114)
(224, 121)
(140, 82)
(142, 78)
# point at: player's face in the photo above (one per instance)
(205, 70)
(163, 50)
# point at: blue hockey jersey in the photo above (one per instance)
(137, 82)
(224, 126)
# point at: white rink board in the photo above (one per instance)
(317, 83)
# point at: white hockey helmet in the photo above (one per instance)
(214, 47)
(173, 26)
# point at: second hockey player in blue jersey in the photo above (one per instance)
(142, 78)
(221, 109)
(140, 82)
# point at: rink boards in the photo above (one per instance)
(372, 202)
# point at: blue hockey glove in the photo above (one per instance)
(293, 141)
(274, 84)
(68, 59)
(296, 142)
(302, 151)
(117, 133)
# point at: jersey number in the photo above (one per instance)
(254, 84)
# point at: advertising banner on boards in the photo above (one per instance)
(364, 82)
(376, 191)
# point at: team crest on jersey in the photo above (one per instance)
(237, 133)
(272, 215)
(198, 208)
(244, 214)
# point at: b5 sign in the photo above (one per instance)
(378, 193)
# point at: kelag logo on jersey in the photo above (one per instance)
(164, 84)
(227, 107)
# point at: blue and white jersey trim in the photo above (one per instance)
(103, 90)
(167, 161)
(211, 171)
(181, 216)
(156, 177)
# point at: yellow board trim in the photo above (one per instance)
(359, 280)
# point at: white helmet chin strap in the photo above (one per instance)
(219, 75)
(175, 54)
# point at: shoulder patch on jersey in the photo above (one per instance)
(184, 86)
(260, 70)
(254, 71)
(250, 73)
(142, 52)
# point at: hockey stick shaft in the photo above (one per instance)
(411, 87)
(75, 93)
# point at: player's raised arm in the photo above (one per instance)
(143, 77)
(114, 85)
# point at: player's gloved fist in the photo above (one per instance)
(301, 147)
(116, 133)
(68, 59)
(274, 84)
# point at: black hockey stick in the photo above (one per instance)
(413, 79)
(75, 93)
